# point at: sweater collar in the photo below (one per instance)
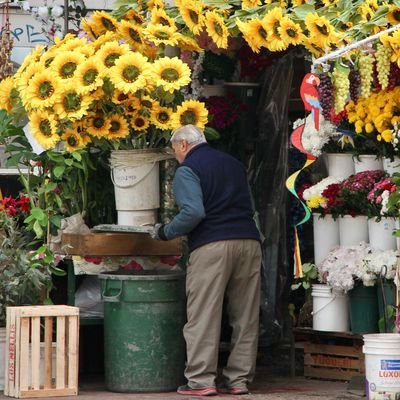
(191, 151)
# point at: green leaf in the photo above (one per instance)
(211, 133)
(59, 171)
(38, 229)
(38, 214)
(69, 161)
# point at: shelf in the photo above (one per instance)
(12, 171)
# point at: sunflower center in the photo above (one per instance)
(68, 69)
(396, 15)
(45, 127)
(147, 103)
(48, 62)
(122, 97)
(108, 24)
(130, 73)
(110, 59)
(90, 76)
(188, 118)
(291, 32)
(163, 21)
(139, 122)
(135, 36)
(262, 32)
(72, 141)
(218, 29)
(161, 35)
(276, 26)
(163, 117)
(46, 89)
(72, 102)
(115, 126)
(323, 29)
(170, 74)
(98, 122)
(194, 16)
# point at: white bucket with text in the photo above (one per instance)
(330, 309)
(382, 366)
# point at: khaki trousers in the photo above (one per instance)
(230, 267)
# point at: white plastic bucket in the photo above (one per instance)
(326, 236)
(340, 165)
(382, 366)
(381, 233)
(330, 309)
(391, 166)
(368, 162)
(137, 193)
(353, 230)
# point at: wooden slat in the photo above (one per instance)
(10, 353)
(17, 351)
(73, 334)
(332, 349)
(35, 352)
(24, 373)
(48, 352)
(48, 393)
(48, 311)
(118, 244)
(60, 373)
(327, 373)
(322, 360)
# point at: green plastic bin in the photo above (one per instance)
(144, 314)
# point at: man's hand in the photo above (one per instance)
(158, 232)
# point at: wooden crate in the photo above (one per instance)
(333, 362)
(28, 329)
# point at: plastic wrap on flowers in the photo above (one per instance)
(268, 181)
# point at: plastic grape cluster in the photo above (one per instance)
(325, 89)
(382, 56)
(366, 68)
(340, 79)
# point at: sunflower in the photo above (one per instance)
(393, 16)
(6, 86)
(272, 22)
(190, 112)
(170, 73)
(161, 117)
(98, 125)
(41, 91)
(30, 59)
(73, 140)
(160, 17)
(111, 51)
(254, 33)
(321, 30)
(89, 28)
(23, 81)
(315, 50)
(72, 44)
(133, 16)
(298, 3)
(71, 104)
(290, 32)
(44, 129)
(65, 63)
(119, 127)
(192, 15)
(186, 43)
(129, 72)
(246, 4)
(161, 34)
(216, 29)
(139, 122)
(132, 33)
(103, 22)
(88, 75)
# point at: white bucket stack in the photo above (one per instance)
(330, 309)
(382, 366)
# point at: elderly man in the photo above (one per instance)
(216, 214)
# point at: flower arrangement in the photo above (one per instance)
(353, 194)
(223, 111)
(382, 263)
(379, 197)
(315, 198)
(343, 267)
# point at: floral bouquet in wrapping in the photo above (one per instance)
(353, 194)
(382, 263)
(318, 197)
(344, 267)
(379, 197)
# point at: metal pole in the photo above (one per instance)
(66, 14)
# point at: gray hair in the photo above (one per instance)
(191, 133)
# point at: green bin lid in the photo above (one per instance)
(144, 275)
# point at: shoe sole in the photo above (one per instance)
(233, 391)
(198, 392)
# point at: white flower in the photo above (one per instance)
(382, 263)
(318, 188)
(344, 265)
(385, 202)
(57, 11)
(43, 12)
(26, 6)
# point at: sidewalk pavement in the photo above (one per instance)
(266, 386)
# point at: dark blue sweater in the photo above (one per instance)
(226, 198)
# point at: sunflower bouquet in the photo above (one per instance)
(113, 87)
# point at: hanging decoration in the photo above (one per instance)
(6, 44)
(310, 96)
